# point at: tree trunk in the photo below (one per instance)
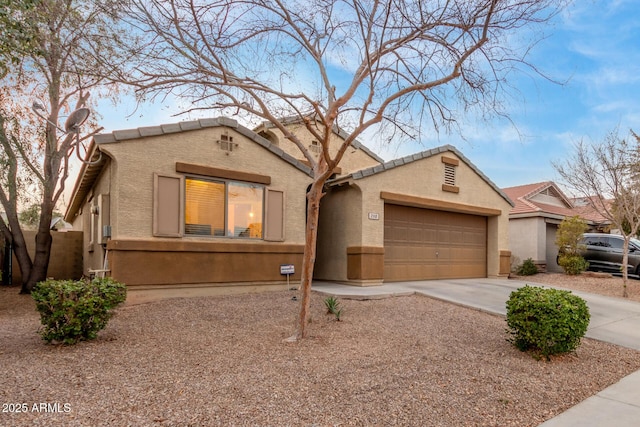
(311, 237)
(38, 271)
(625, 263)
(40, 262)
(19, 247)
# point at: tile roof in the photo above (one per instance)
(521, 194)
(525, 205)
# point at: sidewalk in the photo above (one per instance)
(613, 320)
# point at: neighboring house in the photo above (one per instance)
(210, 204)
(533, 222)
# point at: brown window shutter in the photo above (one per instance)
(168, 205)
(274, 216)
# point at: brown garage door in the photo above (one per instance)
(428, 244)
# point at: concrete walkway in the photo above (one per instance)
(613, 320)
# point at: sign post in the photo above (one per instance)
(287, 270)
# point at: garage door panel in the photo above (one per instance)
(430, 244)
(443, 236)
(457, 236)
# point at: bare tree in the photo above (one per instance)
(355, 65)
(608, 175)
(52, 76)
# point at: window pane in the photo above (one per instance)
(616, 243)
(204, 213)
(245, 210)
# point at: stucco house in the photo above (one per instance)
(209, 205)
(533, 221)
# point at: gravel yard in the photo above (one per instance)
(222, 361)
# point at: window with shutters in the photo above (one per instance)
(216, 207)
(223, 208)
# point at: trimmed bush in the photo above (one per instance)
(528, 268)
(72, 311)
(546, 321)
(572, 264)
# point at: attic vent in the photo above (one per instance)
(449, 174)
(450, 165)
(550, 192)
(315, 147)
(226, 142)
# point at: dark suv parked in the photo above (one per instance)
(604, 253)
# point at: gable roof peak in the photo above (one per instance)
(363, 173)
(290, 120)
(527, 191)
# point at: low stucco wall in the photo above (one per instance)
(175, 263)
(66, 255)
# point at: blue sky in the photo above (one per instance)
(593, 47)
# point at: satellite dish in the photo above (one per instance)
(76, 119)
(37, 106)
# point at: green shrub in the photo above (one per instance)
(572, 264)
(546, 321)
(569, 235)
(72, 311)
(528, 268)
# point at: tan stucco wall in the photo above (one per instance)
(424, 178)
(340, 227)
(93, 253)
(353, 159)
(137, 161)
(528, 238)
